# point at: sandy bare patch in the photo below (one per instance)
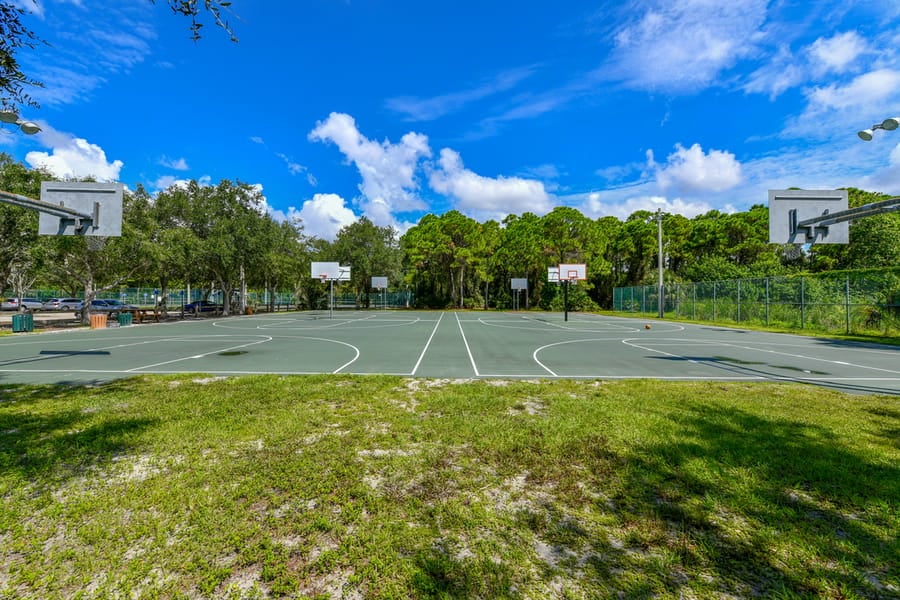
(208, 380)
(315, 438)
(333, 585)
(552, 555)
(378, 428)
(414, 385)
(142, 466)
(530, 407)
(243, 582)
(382, 452)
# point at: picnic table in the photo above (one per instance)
(139, 314)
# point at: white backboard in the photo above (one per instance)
(573, 272)
(789, 207)
(380, 283)
(553, 274)
(518, 283)
(102, 201)
(326, 270)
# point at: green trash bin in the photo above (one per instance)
(125, 318)
(18, 323)
(29, 321)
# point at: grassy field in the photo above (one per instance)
(386, 487)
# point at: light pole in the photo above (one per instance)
(661, 290)
(889, 124)
(27, 127)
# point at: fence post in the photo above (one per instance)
(802, 304)
(767, 301)
(694, 305)
(739, 301)
(715, 304)
(847, 300)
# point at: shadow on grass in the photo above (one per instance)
(46, 445)
(764, 507)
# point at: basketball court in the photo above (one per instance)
(446, 344)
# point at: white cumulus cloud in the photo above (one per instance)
(487, 197)
(596, 205)
(868, 88)
(693, 170)
(388, 170)
(837, 53)
(72, 157)
(179, 164)
(324, 215)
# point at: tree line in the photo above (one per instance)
(220, 238)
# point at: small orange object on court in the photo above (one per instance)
(647, 326)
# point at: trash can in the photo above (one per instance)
(18, 323)
(125, 318)
(29, 321)
(98, 321)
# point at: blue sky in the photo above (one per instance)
(395, 108)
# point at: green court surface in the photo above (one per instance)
(447, 344)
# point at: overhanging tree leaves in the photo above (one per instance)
(15, 36)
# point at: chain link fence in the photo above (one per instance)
(852, 302)
(174, 297)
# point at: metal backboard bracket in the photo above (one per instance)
(88, 208)
(808, 216)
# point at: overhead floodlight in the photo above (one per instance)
(28, 127)
(889, 124)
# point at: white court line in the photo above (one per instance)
(216, 351)
(466, 342)
(428, 343)
(537, 360)
(766, 351)
(346, 364)
(542, 348)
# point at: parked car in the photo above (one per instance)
(32, 304)
(28, 303)
(201, 306)
(113, 307)
(63, 304)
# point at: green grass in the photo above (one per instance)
(385, 487)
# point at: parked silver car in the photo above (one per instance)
(113, 307)
(63, 304)
(28, 303)
(32, 303)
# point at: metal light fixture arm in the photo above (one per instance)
(889, 124)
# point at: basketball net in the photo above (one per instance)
(95, 242)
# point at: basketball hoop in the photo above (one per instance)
(323, 277)
(793, 251)
(95, 242)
